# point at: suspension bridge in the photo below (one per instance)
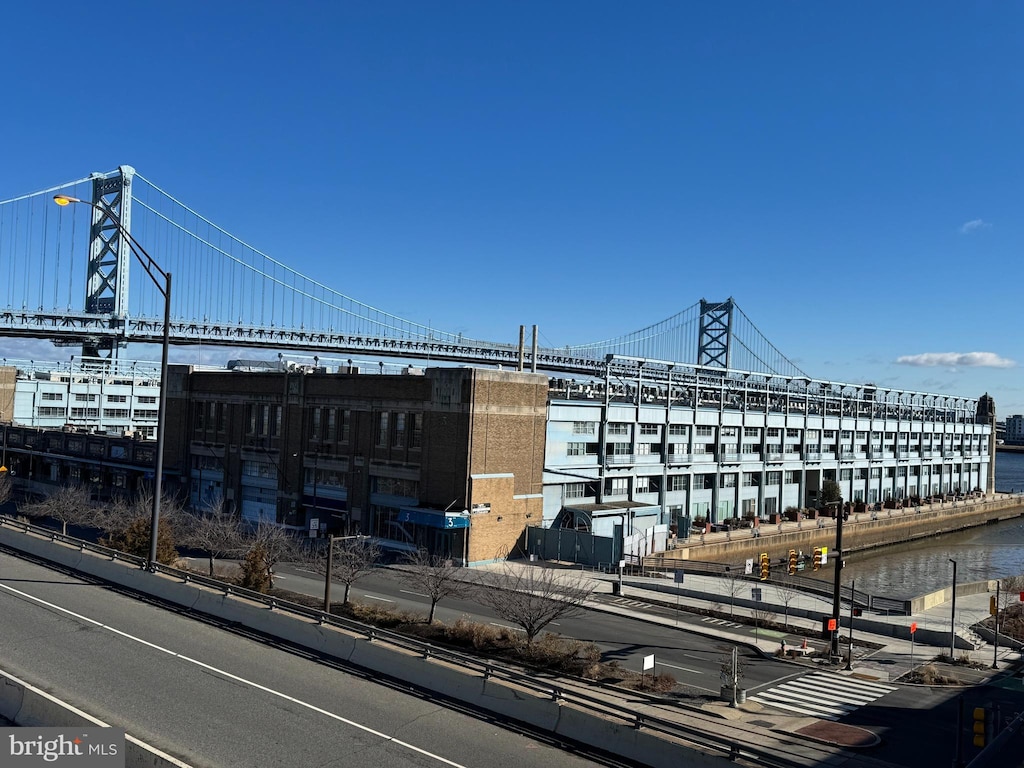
(73, 278)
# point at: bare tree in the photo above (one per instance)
(353, 558)
(68, 505)
(787, 596)
(533, 597)
(215, 532)
(438, 577)
(734, 583)
(5, 486)
(266, 546)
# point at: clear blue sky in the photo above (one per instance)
(850, 173)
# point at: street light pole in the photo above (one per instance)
(952, 618)
(838, 578)
(162, 281)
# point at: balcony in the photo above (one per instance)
(730, 458)
(812, 456)
(620, 459)
(847, 455)
(774, 456)
(699, 458)
(680, 458)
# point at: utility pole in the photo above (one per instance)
(838, 577)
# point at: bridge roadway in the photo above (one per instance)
(215, 698)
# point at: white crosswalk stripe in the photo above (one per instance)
(720, 622)
(828, 697)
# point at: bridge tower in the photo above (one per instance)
(110, 255)
(715, 333)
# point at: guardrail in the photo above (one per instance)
(715, 743)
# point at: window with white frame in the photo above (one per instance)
(616, 486)
(751, 479)
(677, 482)
(583, 427)
(618, 429)
(648, 429)
(727, 480)
(678, 429)
(576, 449)
(704, 431)
(575, 490)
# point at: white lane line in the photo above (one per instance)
(418, 594)
(236, 678)
(685, 669)
(506, 626)
(382, 599)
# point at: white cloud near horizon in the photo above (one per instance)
(957, 360)
(973, 225)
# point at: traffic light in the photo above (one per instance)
(817, 558)
(858, 612)
(792, 562)
(981, 723)
(765, 566)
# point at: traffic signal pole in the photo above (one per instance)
(838, 578)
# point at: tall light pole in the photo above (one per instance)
(837, 583)
(952, 617)
(162, 281)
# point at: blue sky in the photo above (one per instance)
(850, 174)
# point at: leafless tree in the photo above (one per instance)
(787, 595)
(532, 597)
(353, 558)
(267, 545)
(733, 584)
(438, 577)
(68, 505)
(5, 486)
(213, 531)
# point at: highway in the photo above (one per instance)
(217, 698)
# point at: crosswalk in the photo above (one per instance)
(631, 603)
(828, 697)
(720, 622)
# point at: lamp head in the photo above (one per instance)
(63, 200)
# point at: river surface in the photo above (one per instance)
(918, 567)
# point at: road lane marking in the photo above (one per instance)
(382, 599)
(506, 626)
(236, 678)
(684, 669)
(418, 594)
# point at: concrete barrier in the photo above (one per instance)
(25, 705)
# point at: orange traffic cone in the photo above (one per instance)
(804, 644)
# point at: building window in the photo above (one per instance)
(792, 433)
(728, 480)
(791, 477)
(117, 398)
(751, 479)
(648, 429)
(80, 398)
(52, 411)
(85, 413)
(616, 486)
(678, 429)
(773, 432)
(53, 395)
(146, 400)
(332, 424)
(774, 478)
(417, 429)
(751, 432)
(729, 431)
(642, 485)
(576, 449)
(115, 413)
(583, 427)
(399, 433)
(618, 429)
(705, 482)
(677, 483)
(705, 431)
(382, 428)
(575, 490)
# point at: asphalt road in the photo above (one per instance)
(216, 698)
(693, 659)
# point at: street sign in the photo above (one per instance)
(679, 574)
(824, 555)
(755, 594)
(648, 662)
(913, 627)
(748, 568)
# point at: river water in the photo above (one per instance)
(918, 567)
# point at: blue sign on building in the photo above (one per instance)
(432, 518)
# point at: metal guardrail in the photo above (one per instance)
(712, 742)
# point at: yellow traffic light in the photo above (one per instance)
(817, 558)
(765, 566)
(980, 726)
(792, 562)
(993, 609)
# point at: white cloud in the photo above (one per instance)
(973, 225)
(957, 360)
